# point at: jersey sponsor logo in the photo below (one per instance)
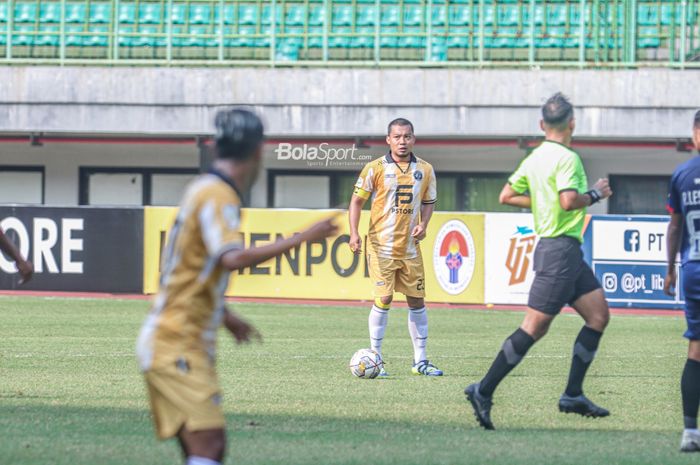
(522, 244)
(454, 257)
(403, 196)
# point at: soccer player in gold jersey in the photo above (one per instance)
(403, 192)
(176, 346)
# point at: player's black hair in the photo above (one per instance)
(239, 132)
(557, 111)
(399, 122)
(696, 122)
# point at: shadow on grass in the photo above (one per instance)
(56, 435)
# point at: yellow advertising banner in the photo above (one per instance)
(453, 254)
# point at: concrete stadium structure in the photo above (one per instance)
(81, 134)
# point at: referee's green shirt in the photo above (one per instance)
(550, 169)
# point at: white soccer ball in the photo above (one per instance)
(366, 363)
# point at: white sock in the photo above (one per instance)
(194, 460)
(377, 325)
(418, 328)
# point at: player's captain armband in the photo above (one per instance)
(428, 202)
(361, 193)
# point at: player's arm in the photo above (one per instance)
(510, 196)
(426, 211)
(241, 330)
(354, 212)
(237, 259)
(25, 267)
(673, 243)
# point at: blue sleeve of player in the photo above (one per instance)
(674, 202)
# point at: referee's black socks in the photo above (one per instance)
(513, 350)
(585, 348)
(690, 391)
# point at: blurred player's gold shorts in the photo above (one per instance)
(184, 394)
(389, 275)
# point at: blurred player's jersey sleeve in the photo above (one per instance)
(220, 221)
(430, 192)
(365, 184)
(518, 180)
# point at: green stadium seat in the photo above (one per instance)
(229, 14)
(248, 14)
(508, 15)
(100, 13)
(506, 37)
(126, 35)
(228, 32)
(414, 39)
(458, 37)
(413, 15)
(200, 13)
(647, 14)
(286, 52)
(3, 33)
(178, 14)
(439, 16)
(670, 11)
(196, 36)
(294, 37)
(296, 15)
(50, 12)
(74, 35)
(616, 15)
(366, 1)
(266, 39)
(145, 37)
(342, 15)
(388, 2)
(25, 13)
(438, 52)
(460, 15)
(439, 37)
(488, 37)
(572, 39)
(648, 37)
(317, 15)
(340, 41)
(266, 17)
(149, 13)
(552, 39)
(390, 16)
(3, 13)
(127, 13)
(315, 37)
(22, 36)
(489, 15)
(386, 37)
(49, 36)
(99, 37)
(246, 36)
(556, 14)
(363, 41)
(367, 15)
(407, 2)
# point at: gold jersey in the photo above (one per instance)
(189, 307)
(397, 194)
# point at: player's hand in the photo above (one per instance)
(355, 244)
(670, 283)
(603, 187)
(418, 232)
(26, 270)
(320, 230)
(241, 330)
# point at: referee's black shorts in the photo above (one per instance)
(561, 275)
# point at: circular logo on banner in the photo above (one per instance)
(454, 257)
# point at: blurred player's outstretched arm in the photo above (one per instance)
(242, 258)
(673, 244)
(25, 267)
(354, 212)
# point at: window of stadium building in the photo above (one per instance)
(641, 195)
(22, 184)
(133, 186)
(471, 192)
(310, 189)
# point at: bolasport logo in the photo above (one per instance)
(321, 155)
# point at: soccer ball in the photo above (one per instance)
(366, 363)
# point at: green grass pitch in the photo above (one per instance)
(71, 393)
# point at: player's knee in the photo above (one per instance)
(386, 300)
(600, 320)
(694, 350)
(415, 302)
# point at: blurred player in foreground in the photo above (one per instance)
(552, 182)
(684, 233)
(176, 346)
(25, 268)
(403, 193)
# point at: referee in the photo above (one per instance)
(552, 182)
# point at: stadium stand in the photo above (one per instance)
(437, 32)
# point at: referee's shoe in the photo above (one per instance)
(581, 405)
(481, 405)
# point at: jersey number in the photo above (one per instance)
(692, 220)
(403, 195)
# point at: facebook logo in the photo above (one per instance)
(632, 242)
